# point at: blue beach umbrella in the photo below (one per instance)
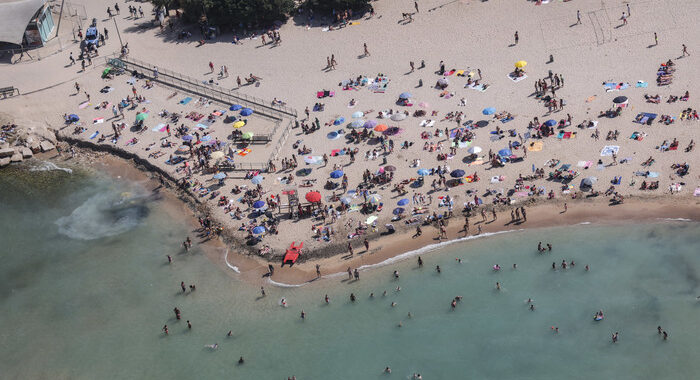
(358, 115)
(246, 112)
(258, 204)
(489, 111)
(219, 175)
(73, 118)
(457, 173)
(405, 95)
(423, 171)
(357, 123)
(206, 138)
(235, 107)
(337, 174)
(257, 179)
(339, 121)
(403, 202)
(398, 211)
(346, 200)
(258, 230)
(550, 123)
(187, 138)
(369, 124)
(504, 152)
(333, 135)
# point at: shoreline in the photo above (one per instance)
(399, 246)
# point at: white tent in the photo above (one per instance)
(15, 15)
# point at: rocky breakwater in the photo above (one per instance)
(20, 141)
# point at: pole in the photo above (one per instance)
(60, 17)
(118, 34)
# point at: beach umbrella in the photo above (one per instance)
(390, 168)
(403, 202)
(73, 117)
(457, 173)
(423, 105)
(259, 204)
(247, 135)
(239, 124)
(358, 115)
(312, 159)
(550, 123)
(370, 124)
(405, 95)
(246, 112)
(219, 175)
(357, 123)
(313, 197)
(398, 211)
(337, 174)
(303, 172)
(398, 116)
(187, 138)
(443, 81)
(489, 111)
(141, 116)
(257, 179)
(235, 107)
(520, 64)
(339, 121)
(620, 100)
(371, 219)
(588, 181)
(474, 150)
(374, 198)
(217, 155)
(422, 172)
(206, 138)
(258, 230)
(504, 152)
(333, 135)
(381, 128)
(482, 123)
(346, 200)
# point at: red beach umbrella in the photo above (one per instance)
(313, 197)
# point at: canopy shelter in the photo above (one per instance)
(25, 20)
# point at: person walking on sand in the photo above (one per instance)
(72, 60)
(415, 4)
(413, 67)
(516, 37)
(350, 249)
(566, 207)
(366, 51)
(656, 39)
(495, 216)
(211, 66)
(366, 242)
(578, 17)
(333, 62)
(318, 271)
(624, 19)
(685, 51)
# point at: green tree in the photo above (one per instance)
(338, 5)
(233, 13)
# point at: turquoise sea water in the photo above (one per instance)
(86, 289)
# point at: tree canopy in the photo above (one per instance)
(242, 13)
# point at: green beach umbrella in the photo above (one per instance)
(247, 135)
(141, 116)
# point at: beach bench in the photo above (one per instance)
(8, 91)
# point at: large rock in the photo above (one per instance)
(4, 161)
(35, 146)
(46, 146)
(7, 152)
(17, 157)
(26, 152)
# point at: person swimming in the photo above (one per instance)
(283, 302)
(328, 300)
(352, 297)
(393, 304)
(498, 285)
(212, 346)
(496, 267)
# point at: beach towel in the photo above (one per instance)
(697, 192)
(642, 84)
(476, 163)
(92, 136)
(185, 100)
(516, 79)
(83, 105)
(98, 120)
(608, 150)
(615, 86)
(652, 175)
(159, 128)
(560, 135)
(460, 73)
(323, 94)
(480, 87)
(244, 152)
(535, 146)
(567, 135)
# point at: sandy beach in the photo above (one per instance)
(469, 37)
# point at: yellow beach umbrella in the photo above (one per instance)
(238, 124)
(520, 64)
